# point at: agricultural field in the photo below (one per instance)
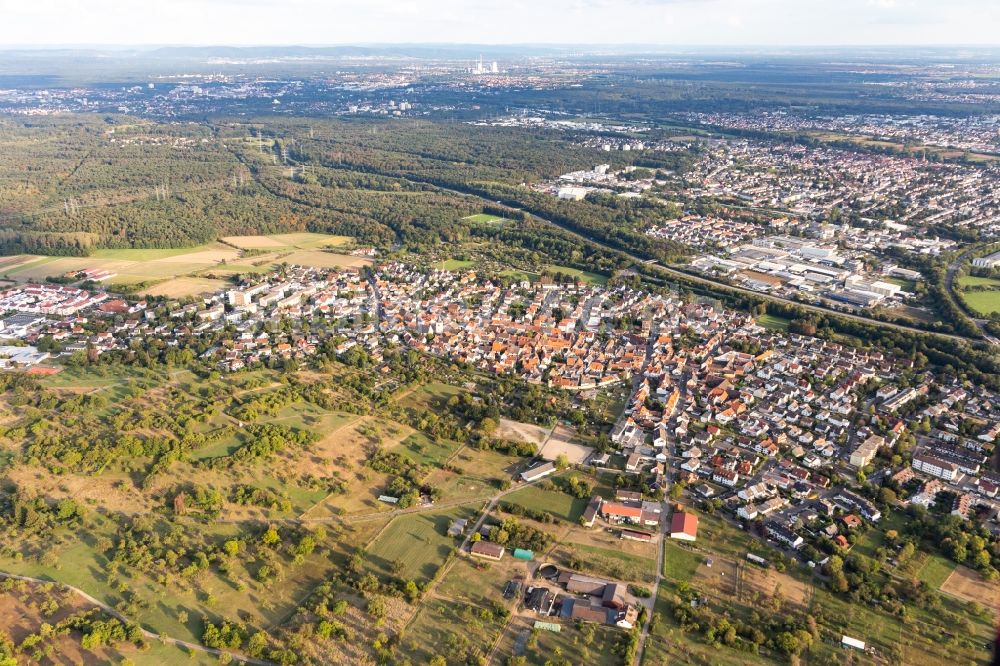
(185, 286)
(970, 586)
(192, 271)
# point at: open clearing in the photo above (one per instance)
(522, 432)
(485, 218)
(968, 585)
(770, 583)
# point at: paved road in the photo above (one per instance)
(146, 634)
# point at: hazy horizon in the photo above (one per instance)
(640, 23)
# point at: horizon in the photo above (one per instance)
(663, 23)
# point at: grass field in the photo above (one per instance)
(584, 276)
(555, 502)
(485, 218)
(454, 264)
(935, 571)
(418, 542)
(974, 281)
(903, 283)
(427, 451)
(983, 302)
(680, 563)
(609, 562)
(773, 322)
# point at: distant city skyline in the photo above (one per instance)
(646, 22)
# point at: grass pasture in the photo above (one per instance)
(974, 281)
(679, 562)
(983, 302)
(413, 546)
(425, 450)
(554, 502)
(611, 563)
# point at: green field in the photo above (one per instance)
(583, 276)
(454, 264)
(974, 281)
(773, 322)
(429, 396)
(615, 564)
(935, 571)
(485, 218)
(427, 451)
(555, 502)
(680, 563)
(904, 284)
(983, 302)
(418, 541)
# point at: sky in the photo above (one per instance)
(659, 22)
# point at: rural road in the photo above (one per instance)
(146, 634)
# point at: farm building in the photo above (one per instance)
(487, 549)
(684, 526)
(616, 512)
(538, 471)
(634, 535)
